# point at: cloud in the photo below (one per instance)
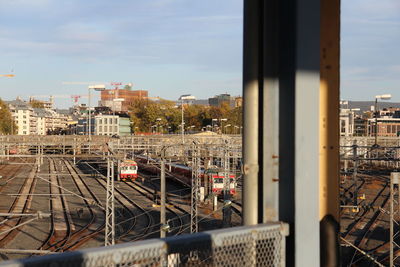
(81, 32)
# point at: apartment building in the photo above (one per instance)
(23, 116)
(112, 125)
(36, 121)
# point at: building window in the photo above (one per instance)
(116, 129)
(100, 128)
(110, 129)
(115, 121)
(109, 120)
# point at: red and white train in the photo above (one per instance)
(129, 170)
(216, 181)
(183, 174)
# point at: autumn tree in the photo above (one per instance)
(36, 103)
(165, 116)
(7, 125)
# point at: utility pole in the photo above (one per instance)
(394, 180)
(355, 166)
(162, 208)
(195, 190)
(109, 237)
(226, 211)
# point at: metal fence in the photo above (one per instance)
(259, 245)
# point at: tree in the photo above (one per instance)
(167, 116)
(7, 125)
(128, 87)
(36, 103)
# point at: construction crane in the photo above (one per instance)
(116, 84)
(74, 98)
(81, 83)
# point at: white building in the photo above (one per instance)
(112, 125)
(36, 121)
(346, 125)
(23, 117)
(107, 125)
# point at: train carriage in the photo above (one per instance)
(216, 181)
(183, 174)
(129, 170)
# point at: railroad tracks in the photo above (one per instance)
(74, 198)
(20, 205)
(134, 220)
(369, 219)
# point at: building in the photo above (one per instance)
(82, 126)
(37, 121)
(387, 126)
(42, 116)
(112, 125)
(218, 100)
(346, 122)
(104, 125)
(23, 116)
(126, 96)
(238, 101)
(360, 126)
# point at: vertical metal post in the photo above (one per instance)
(74, 150)
(355, 167)
(182, 124)
(392, 176)
(376, 121)
(251, 60)
(226, 211)
(329, 144)
(89, 117)
(162, 208)
(109, 237)
(270, 116)
(195, 191)
(394, 180)
(118, 169)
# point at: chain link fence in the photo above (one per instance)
(259, 245)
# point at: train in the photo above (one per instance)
(215, 177)
(129, 170)
(183, 174)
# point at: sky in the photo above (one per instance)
(171, 47)
(370, 49)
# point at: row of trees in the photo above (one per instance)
(165, 117)
(7, 126)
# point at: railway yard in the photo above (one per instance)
(365, 195)
(55, 194)
(52, 202)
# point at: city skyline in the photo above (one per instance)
(171, 47)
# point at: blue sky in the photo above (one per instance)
(171, 47)
(370, 51)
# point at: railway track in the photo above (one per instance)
(20, 204)
(131, 229)
(176, 213)
(90, 226)
(369, 218)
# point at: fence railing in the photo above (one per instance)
(259, 245)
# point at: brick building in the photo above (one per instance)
(128, 96)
